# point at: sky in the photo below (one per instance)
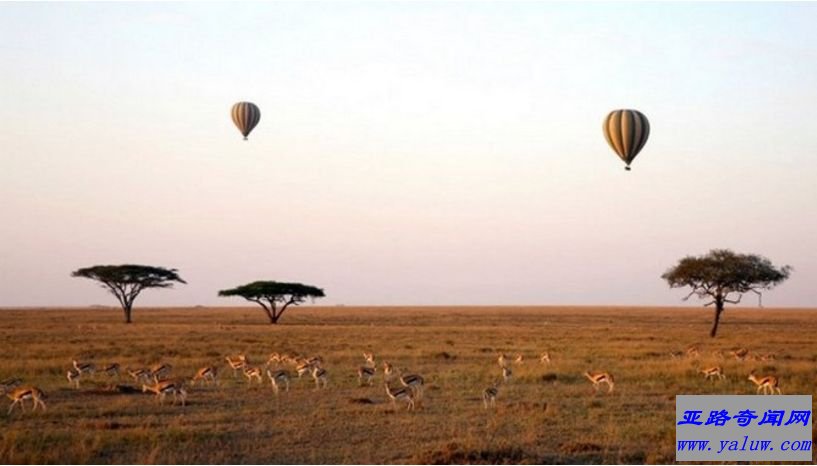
(416, 153)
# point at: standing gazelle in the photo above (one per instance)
(402, 394)
(19, 395)
(237, 364)
(73, 376)
(84, 368)
(320, 376)
(253, 373)
(768, 384)
(413, 381)
(489, 395)
(507, 373)
(545, 358)
(277, 379)
(713, 372)
(599, 378)
(365, 375)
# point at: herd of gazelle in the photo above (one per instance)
(155, 379)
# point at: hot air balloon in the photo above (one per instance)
(245, 116)
(626, 132)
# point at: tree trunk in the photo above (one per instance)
(718, 310)
(128, 310)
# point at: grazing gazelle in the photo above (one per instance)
(712, 372)
(160, 371)
(237, 363)
(84, 368)
(139, 375)
(489, 395)
(545, 358)
(73, 377)
(111, 370)
(519, 359)
(9, 383)
(740, 354)
(320, 376)
(277, 379)
(253, 373)
(274, 359)
(599, 378)
(161, 389)
(365, 374)
(507, 373)
(402, 394)
(769, 383)
(20, 394)
(206, 375)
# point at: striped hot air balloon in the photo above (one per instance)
(245, 116)
(626, 132)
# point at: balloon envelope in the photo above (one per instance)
(626, 132)
(245, 116)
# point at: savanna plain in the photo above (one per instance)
(546, 413)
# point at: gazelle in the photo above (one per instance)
(712, 372)
(253, 373)
(9, 383)
(237, 363)
(365, 374)
(111, 370)
(274, 358)
(139, 375)
(73, 377)
(161, 389)
(768, 384)
(413, 381)
(489, 395)
(402, 394)
(84, 368)
(693, 352)
(599, 378)
(676, 354)
(740, 354)
(160, 371)
(206, 375)
(20, 394)
(303, 368)
(545, 358)
(316, 361)
(369, 357)
(277, 379)
(507, 373)
(320, 376)
(519, 359)
(502, 360)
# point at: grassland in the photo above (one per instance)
(546, 414)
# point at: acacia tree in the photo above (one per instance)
(274, 297)
(127, 281)
(724, 277)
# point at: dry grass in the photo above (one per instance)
(546, 414)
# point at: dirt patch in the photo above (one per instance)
(454, 453)
(361, 401)
(549, 377)
(571, 448)
(444, 355)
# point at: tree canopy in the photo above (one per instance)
(127, 281)
(274, 297)
(725, 276)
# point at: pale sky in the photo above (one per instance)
(408, 153)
